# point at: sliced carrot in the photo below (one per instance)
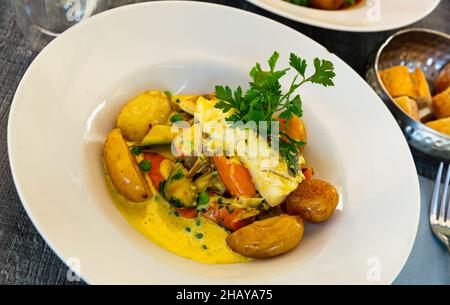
(154, 172)
(187, 212)
(213, 213)
(226, 217)
(308, 172)
(235, 177)
(231, 221)
(295, 129)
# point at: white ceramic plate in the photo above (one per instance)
(68, 100)
(368, 16)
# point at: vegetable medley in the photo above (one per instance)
(260, 199)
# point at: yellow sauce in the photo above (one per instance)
(198, 239)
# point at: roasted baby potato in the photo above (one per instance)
(269, 237)
(123, 169)
(441, 104)
(326, 4)
(146, 109)
(443, 80)
(313, 200)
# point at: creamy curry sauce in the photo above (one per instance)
(198, 239)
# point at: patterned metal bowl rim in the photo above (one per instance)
(380, 82)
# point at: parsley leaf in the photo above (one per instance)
(273, 60)
(324, 73)
(298, 64)
(265, 101)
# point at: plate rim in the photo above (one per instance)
(324, 25)
(44, 234)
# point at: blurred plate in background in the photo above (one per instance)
(369, 16)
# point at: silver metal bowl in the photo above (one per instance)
(429, 50)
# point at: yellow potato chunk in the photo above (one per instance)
(146, 109)
(441, 104)
(400, 82)
(443, 80)
(442, 125)
(159, 135)
(409, 106)
(422, 94)
(123, 169)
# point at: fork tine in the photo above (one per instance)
(444, 196)
(435, 198)
(447, 223)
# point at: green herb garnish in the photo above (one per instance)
(177, 176)
(176, 202)
(220, 202)
(187, 229)
(198, 235)
(299, 2)
(264, 99)
(229, 209)
(136, 150)
(162, 184)
(176, 117)
(145, 165)
(168, 93)
(203, 198)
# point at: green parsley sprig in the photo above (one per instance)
(264, 100)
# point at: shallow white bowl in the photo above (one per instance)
(369, 16)
(68, 100)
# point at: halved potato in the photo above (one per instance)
(123, 169)
(269, 237)
(314, 200)
(146, 109)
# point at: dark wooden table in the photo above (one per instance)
(24, 256)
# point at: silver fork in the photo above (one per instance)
(440, 208)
